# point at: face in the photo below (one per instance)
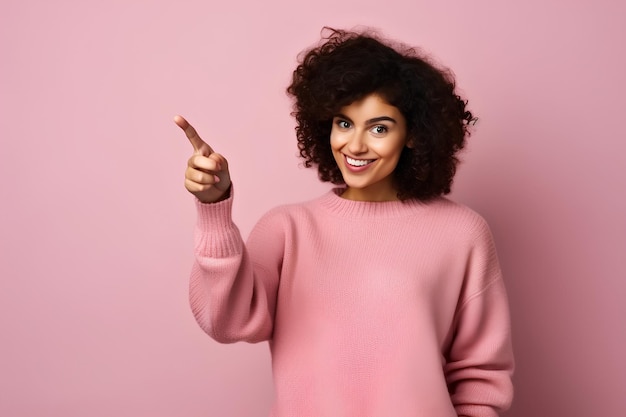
(367, 138)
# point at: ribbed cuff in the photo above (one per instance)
(216, 235)
(214, 215)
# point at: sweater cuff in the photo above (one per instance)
(215, 215)
(216, 235)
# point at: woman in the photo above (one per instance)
(381, 297)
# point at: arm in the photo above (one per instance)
(232, 296)
(480, 358)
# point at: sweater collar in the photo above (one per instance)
(333, 202)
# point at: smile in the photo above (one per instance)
(358, 162)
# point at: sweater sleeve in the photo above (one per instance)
(232, 297)
(480, 360)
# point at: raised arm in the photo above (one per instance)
(232, 296)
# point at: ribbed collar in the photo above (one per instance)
(333, 202)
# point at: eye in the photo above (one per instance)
(342, 124)
(379, 129)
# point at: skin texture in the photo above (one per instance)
(371, 130)
(207, 176)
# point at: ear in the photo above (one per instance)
(410, 143)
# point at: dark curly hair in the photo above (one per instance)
(348, 66)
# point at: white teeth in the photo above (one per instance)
(358, 162)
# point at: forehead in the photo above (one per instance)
(371, 105)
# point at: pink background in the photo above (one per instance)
(96, 227)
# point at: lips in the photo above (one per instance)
(358, 163)
(356, 166)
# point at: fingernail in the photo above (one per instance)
(217, 179)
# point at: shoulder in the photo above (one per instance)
(282, 225)
(462, 219)
(292, 214)
(470, 240)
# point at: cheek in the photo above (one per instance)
(335, 148)
(335, 140)
(389, 150)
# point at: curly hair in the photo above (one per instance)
(346, 67)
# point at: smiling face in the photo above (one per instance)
(367, 138)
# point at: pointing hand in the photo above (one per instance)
(207, 175)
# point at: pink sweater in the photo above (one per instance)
(383, 309)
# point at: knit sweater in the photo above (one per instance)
(371, 309)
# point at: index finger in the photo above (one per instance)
(191, 133)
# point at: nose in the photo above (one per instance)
(357, 143)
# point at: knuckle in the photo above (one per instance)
(190, 186)
(201, 178)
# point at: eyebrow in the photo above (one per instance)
(370, 121)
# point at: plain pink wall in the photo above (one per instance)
(96, 228)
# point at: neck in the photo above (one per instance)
(358, 194)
